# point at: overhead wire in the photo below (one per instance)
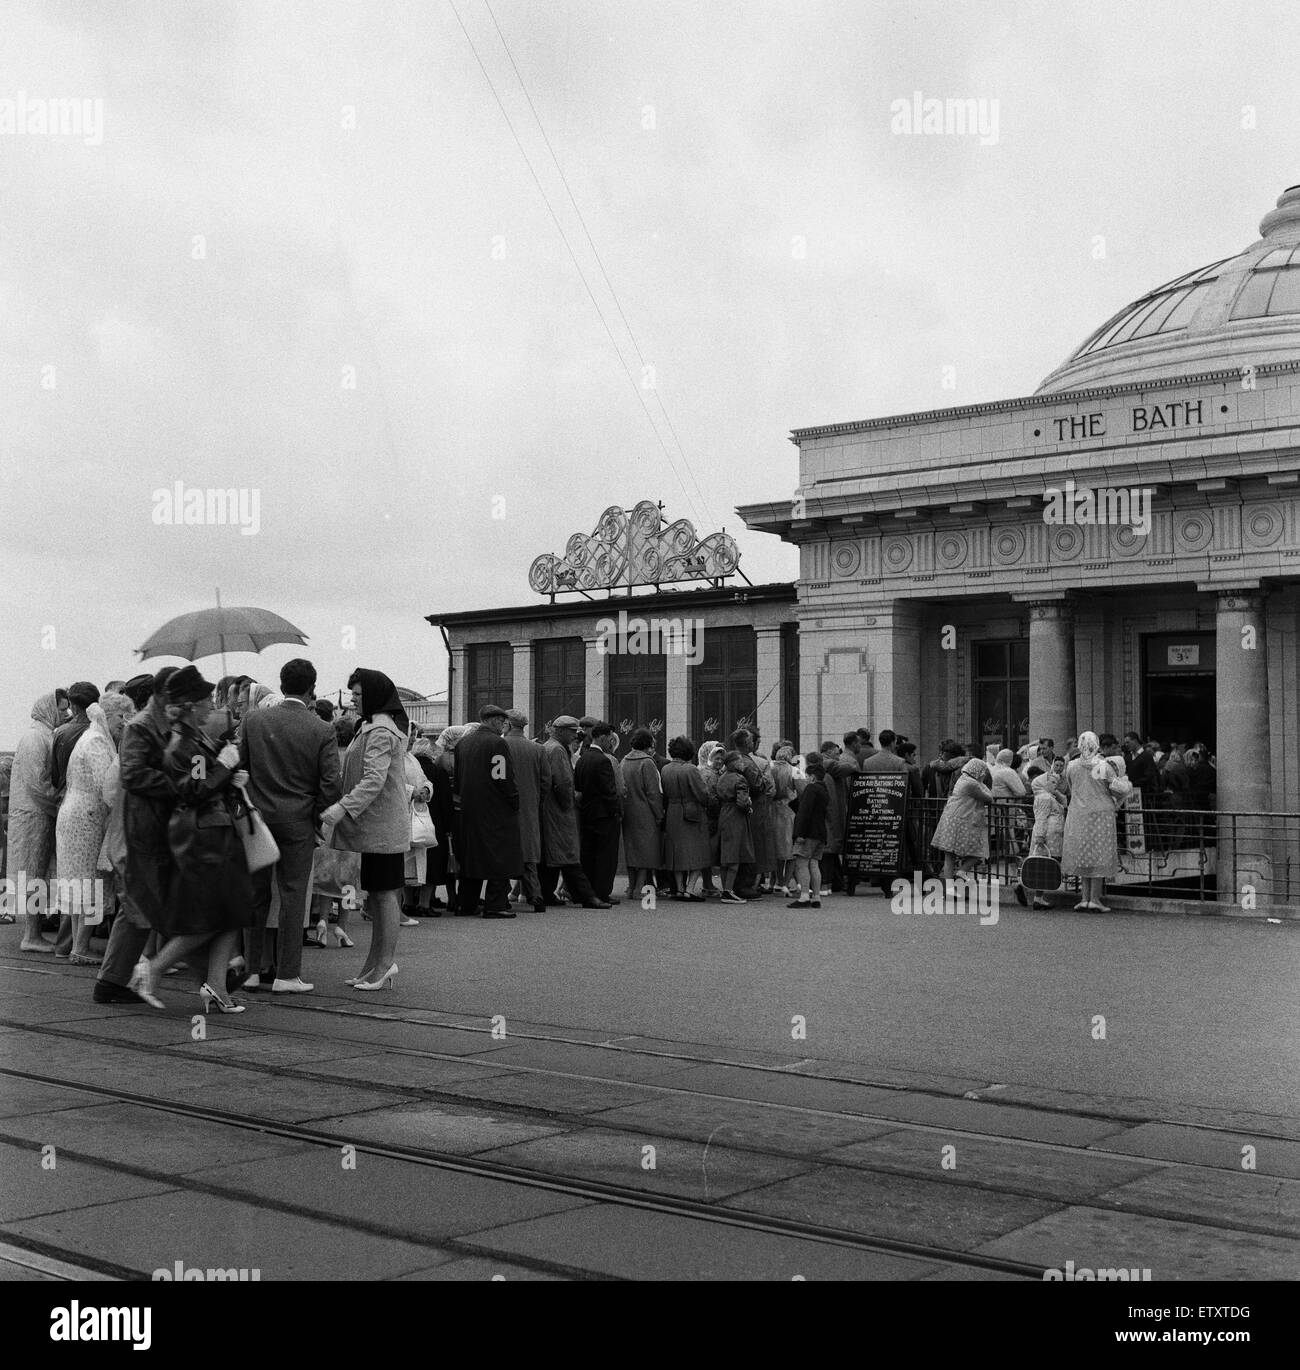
(609, 285)
(523, 152)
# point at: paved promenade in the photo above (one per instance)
(682, 1093)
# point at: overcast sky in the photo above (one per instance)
(283, 191)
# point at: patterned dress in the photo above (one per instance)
(1091, 847)
(963, 827)
(83, 816)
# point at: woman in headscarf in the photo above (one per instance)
(263, 697)
(445, 858)
(789, 785)
(211, 896)
(686, 821)
(374, 818)
(735, 842)
(83, 815)
(1049, 826)
(419, 790)
(33, 806)
(709, 764)
(643, 813)
(962, 833)
(1096, 785)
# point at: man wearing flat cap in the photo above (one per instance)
(489, 810)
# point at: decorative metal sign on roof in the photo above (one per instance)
(635, 547)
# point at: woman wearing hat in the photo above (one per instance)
(211, 896)
(374, 818)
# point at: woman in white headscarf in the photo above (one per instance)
(83, 815)
(1090, 850)
(962, 832)
(1049, 827)
(33, 806)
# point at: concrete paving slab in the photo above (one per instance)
(704, 1052)
(779, 1088)
(871, 1074)
(1223, 1196)
(1096, 1238)
(27, 1188)
(1069, 1176)
(150, 1138)
(430, 1203)
(435, 1127)
(18, 1096)
(639, 1244)
(61, 1008)
(898, 1206)
(10, 1271)
(684, 1168)
(284, 1098)
(1172, 1142)
(270, 1050)
(347, 1027)
(150, 1028)
(472, 1268)
(418, 1072)
(1144, 1110)
(548, 1093)
(57, 983)
(601, 1062)
(736, 1122)
(205, 1232)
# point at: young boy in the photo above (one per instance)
(810, 834)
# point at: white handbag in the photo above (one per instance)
(260, 848)
(423, 833)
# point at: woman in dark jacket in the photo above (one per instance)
(211, 896)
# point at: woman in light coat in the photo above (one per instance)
(1049, 823)
(33, 807)
(374, 818)
(962, 833)
(83, 815)
(643, 812)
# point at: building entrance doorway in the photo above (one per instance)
(1178, 693)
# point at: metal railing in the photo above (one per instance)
(1247, 859)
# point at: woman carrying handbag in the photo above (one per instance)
(211, 896)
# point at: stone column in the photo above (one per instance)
(1244, 772)
(677, 705)
(1052, 711)
(459, 690)
(597, 701)
(768, 647)
(523, 678)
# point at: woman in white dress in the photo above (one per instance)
(1095, 785)
(83, 815)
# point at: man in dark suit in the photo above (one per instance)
(491, 848)
(292, 762)
(600, 811)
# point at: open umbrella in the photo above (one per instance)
(208, 632)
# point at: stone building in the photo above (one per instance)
(1119, 550)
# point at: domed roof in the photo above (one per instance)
(1238, 311)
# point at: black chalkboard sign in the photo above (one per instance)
(873, 830)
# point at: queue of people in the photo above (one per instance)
(152, 784)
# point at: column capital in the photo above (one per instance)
(1240, 600)
(1044, 609)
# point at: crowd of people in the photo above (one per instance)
(155, 787)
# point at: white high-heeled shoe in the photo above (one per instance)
(341, 939)
(382, 982)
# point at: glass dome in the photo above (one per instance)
(1239, 310)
